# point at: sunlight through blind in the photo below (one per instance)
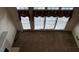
(50, 22)
(22, 8)
(25, 22)
(67, 8)
(39, 8)
(61, 23)
(39, 23)
(52, 8)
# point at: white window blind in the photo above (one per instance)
(67, 8)
(61, 23)
(38, 23)
(50, 22)
(22, 8)
(39, 8)
(25, 22)
(52, 8)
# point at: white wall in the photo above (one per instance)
(74, 20)
(76, 34)
(7, 24)
(74, 25)
(14, 15)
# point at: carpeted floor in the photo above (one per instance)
(55, 41)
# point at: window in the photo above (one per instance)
(52, 8)
(25, 23)
(61, 23)
(50, 22)
(22, 8)
(46, 22)
(39, 8)
(67, 8)
(39, 23)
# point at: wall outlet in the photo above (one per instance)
(77, 37)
